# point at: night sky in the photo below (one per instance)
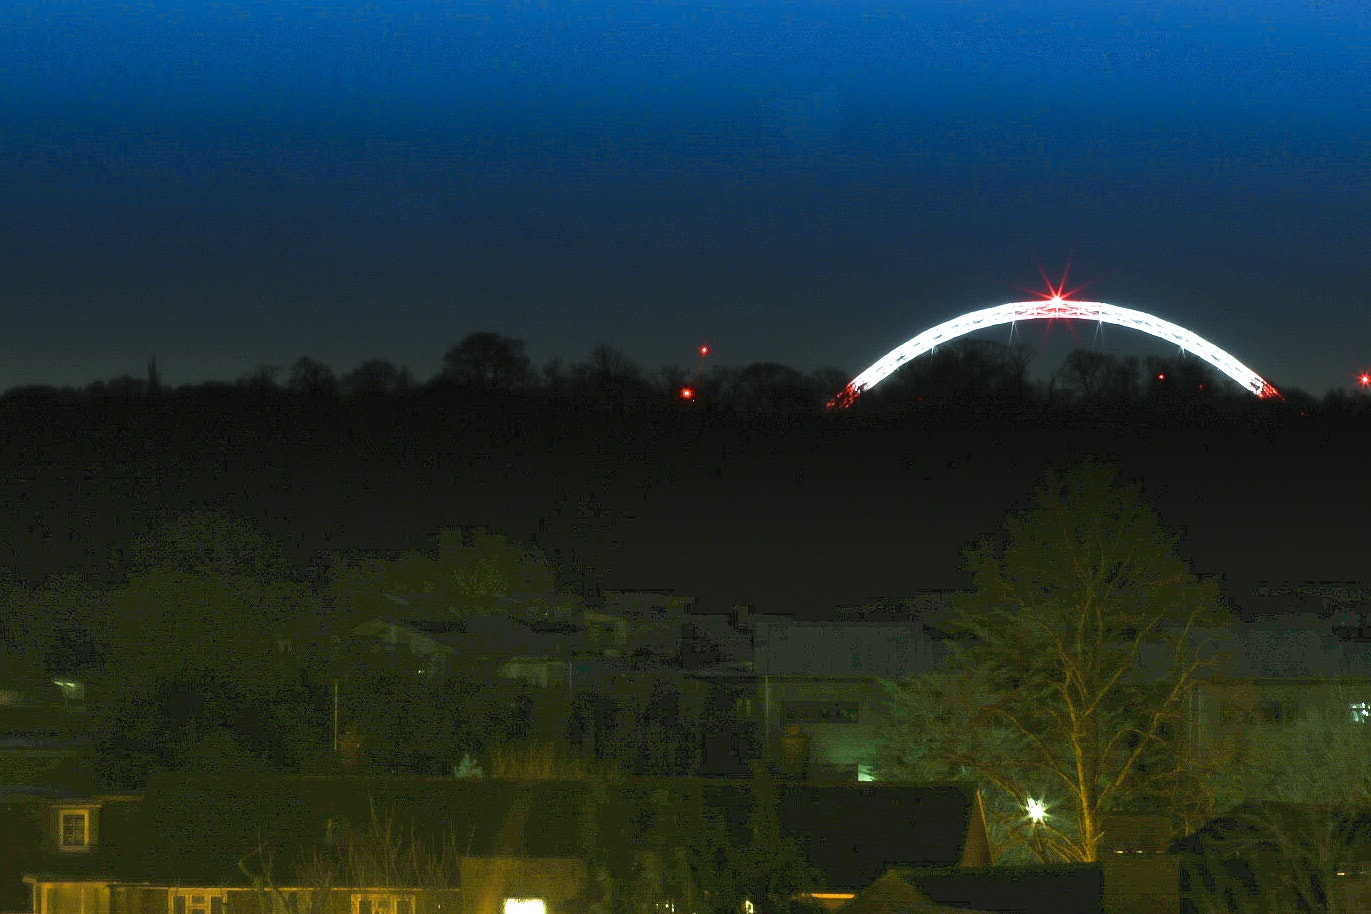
(225, 185)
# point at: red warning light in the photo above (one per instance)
(704, 350)
(1365, 380)
(687, 393)
(1161, 376)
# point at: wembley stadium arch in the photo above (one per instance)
(1056, 307)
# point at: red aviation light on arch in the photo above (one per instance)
(1058, 306)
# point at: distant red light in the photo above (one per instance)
(1365, 380)
(687, 393)
(1161, 377)
(704, 350)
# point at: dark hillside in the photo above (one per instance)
(791, 516)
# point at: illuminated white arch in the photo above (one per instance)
(1053, 308)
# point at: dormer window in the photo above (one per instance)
(73, 830)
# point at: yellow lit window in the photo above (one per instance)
(197, 901)
(382, 903)
(73, 831)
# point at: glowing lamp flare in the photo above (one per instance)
(1037, 810)
(687, 393)
(1365, 380)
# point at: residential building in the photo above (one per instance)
(206, 845)
(809, 696)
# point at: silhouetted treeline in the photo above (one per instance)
(967, 375)
(751, 492)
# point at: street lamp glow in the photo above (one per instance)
(1037, 811)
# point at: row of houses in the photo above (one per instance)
(806, 696)
(352, 845)
(226, 844)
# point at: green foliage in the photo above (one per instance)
(1321, 754)
(207, 722)
(546, 762)
(470, 572)
(200, 665)
(1075, 652)
(381, 852)
(164, 621)
(634, 841)
(648, 844)
(45, 629)
(208, 542)
(770, 868)
(414, 724)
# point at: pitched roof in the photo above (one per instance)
(1037, 889)
(854, 832)
(894, 894)
(191, 830)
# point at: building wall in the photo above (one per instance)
(1225, 717)
(788, 648)
(839, 717)
(1141, 884)
(137, 900)
(73, 898)
(488, 881)
(100, 898)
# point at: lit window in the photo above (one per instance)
(73, 833)
(379, 903)
(525, 906)
(865, 772)
(196, 901)
(1361, 712)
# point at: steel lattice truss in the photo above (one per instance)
(1044, 310)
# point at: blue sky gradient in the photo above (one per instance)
(224, 185)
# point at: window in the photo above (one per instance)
(73, 829)
(197, 901)
(1361, 712)
(525, 906)
(382, 903)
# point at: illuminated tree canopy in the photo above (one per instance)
(1073, 657)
